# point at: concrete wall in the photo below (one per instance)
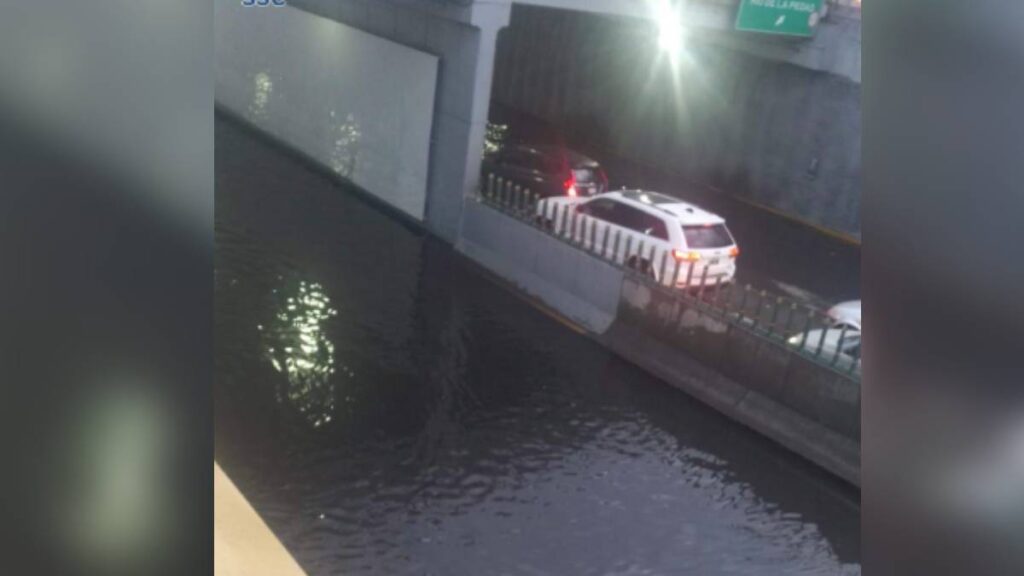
(784, 136)
(576, 284)
(807, 407)
(462, 35)
(359, 104)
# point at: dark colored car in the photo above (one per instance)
(546, 170)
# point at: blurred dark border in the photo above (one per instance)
(106, 287)
(942, 416)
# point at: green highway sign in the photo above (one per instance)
(790, 17)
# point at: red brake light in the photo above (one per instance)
(570, 185)
(686, 256)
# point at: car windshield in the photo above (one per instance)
(707, 236)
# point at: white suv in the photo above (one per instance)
(674, 242)
(846, 314)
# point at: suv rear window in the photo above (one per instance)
(618, 213)
(583, 175)
(713, 236)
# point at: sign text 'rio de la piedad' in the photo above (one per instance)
(789, 17)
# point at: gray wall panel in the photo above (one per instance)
(361, 105)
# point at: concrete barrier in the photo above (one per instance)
(576, 284)
(807, 407)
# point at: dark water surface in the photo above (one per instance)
(388, 409)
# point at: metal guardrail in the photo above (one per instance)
(774, 318)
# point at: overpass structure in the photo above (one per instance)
(463, 34)
(834, 48)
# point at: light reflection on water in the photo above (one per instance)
(495, 136)
(345, 149)
(296, 346)
(262, 89)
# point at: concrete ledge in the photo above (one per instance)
(243, 545)
(819, 444)
(581, 287)
(763, 365)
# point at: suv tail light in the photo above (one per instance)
(734, 252)
(686, 256)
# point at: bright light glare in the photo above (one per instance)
(671, 32)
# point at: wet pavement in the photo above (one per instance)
(388, 409)
(780, 255)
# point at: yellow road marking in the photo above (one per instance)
(558, 317)
(842, 236)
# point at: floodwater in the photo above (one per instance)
(389, 409)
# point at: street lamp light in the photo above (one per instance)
(671, 31)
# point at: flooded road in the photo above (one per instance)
(388, 409)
